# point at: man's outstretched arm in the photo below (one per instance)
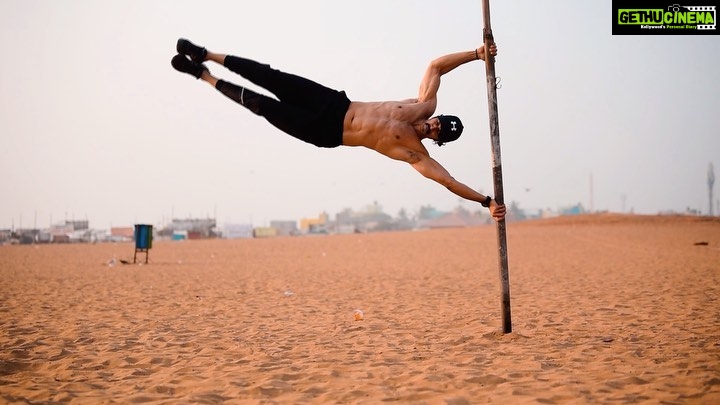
(431, 169)
(430, 83)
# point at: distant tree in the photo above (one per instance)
(402, 215)
(375, 208)
(462, 211)
(403, 221)
(516, 212)
(427, 212)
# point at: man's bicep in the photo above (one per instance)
(429, 85)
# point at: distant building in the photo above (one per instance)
(314, 225)
(576, 209)
(265, 232)
(61, 233)
(122, 234)
(371, 218)
(191, 228)
(455, 219)
(180, 235)
(78, 225)
(237, 231)
(44, 237)
(27, 236)
(285, 228)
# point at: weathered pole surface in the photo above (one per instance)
(497, 167)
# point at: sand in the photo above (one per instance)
(606, 309)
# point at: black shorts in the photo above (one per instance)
(304, 109)
(321, 124)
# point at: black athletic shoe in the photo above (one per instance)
(196, 53)
(182, 64)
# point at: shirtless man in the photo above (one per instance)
(327, 118)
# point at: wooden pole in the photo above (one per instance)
(497, 167)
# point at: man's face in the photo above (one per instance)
(432, 128)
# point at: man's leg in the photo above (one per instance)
(245, 97)
(287, 87)
(292, 115)
(288, 118)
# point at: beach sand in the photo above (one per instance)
(606, 309)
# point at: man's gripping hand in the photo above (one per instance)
(480, 52)
(496, 210)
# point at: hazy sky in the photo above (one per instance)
(95, 124)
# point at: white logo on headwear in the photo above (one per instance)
(454, 123)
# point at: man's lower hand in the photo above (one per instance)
(497, 211)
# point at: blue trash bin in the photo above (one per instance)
(143, 240)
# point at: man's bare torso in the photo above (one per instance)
(386, 127)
